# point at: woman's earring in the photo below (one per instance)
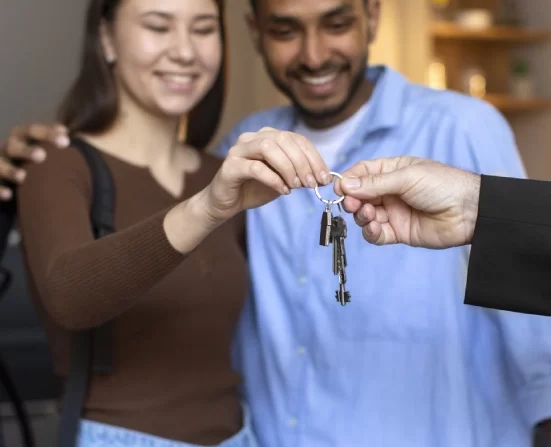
(110, 58)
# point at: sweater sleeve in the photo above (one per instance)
(84, 282)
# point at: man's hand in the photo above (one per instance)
(412, 201)
(25, 144)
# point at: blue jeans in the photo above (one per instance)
(95, 434)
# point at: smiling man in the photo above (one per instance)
(326, 83)
(405, 363)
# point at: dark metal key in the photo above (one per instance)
(338, 228)
(325, 230)
(339, 231)
(342, 295)
(338, 234)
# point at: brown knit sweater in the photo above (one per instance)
(173, 315)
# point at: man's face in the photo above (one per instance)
(315, 51)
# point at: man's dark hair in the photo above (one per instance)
(92, 103)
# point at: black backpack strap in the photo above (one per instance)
(7, 381)
(91, 350)
(8, 215)
(102, 217)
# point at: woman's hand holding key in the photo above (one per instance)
(260, 167)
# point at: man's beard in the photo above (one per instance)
(327, 113)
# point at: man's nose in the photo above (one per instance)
(314, 51)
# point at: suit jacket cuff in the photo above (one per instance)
(510, 260)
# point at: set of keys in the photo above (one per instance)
(333, 232)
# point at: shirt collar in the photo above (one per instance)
(386, 102)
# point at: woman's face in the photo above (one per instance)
(166, 53)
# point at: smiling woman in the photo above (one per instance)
(135, 35)
(172, 278)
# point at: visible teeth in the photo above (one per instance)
(180, 79)
(319, 80)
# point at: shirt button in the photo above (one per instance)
(301, 350)
(302, 280)
(293, 422)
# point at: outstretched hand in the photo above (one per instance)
(413, 201)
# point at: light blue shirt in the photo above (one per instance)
(406, 363)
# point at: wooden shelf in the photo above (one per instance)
(506, 103)
(450, 30)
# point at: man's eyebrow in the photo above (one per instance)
(341, 9)
(277, 18)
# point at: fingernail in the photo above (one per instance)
(286, 190)
(368, 230)
(351, 182)
(297, 183)
(62, 141)
(311, 181)
(325, 177)
(38, 155)
(20, 175)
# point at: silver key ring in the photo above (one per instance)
(329, 202)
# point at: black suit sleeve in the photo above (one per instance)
(510, 261)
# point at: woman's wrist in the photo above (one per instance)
(189, 223)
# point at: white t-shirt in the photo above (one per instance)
(329, 141)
